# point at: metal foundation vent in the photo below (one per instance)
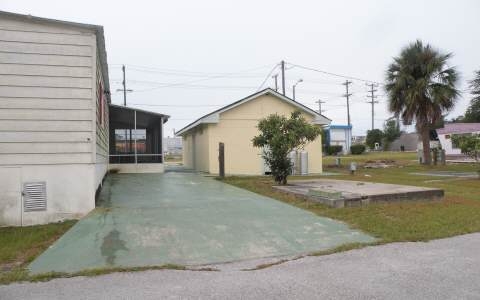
(34, 196)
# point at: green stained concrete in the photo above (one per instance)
(187, 219)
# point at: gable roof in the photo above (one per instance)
(97, 29)
(214, 117)
(459, 128)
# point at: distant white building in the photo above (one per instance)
(340, 135)
(173, 145)
(406, 141)
(449, 130)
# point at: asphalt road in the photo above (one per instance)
(440, 269)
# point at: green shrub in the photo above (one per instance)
(357, 149)
(334, 149)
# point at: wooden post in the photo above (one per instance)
(221, 159)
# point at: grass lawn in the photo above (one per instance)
(20, 245)
(458, 213)
(173, 158)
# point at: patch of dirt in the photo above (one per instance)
(6, 267)
(25, 257)
(379, 164)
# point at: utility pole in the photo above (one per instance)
(125, 90)
(276, 82)
(294, 86)
(347, 95)
(372, 101)
(282, 65)
(319, 105)
(124, 87)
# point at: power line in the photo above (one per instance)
(334, 74)
(203, 79)
(156, 83)
(178, 105)
(184, 73)
(268, 76)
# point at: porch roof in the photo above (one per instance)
(125, 115)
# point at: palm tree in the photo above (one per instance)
(473, 111)
(421, 87)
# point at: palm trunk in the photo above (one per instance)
(426, 146)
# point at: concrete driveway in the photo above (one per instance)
(187, 219)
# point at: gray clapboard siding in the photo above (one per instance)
(21, 47)
(45, 92)
(102, 155)
(101, 159)
(45, 159)
(64, 147)
(46, 137)
(45, 81)
(45, 38)
(45, 114)
(102, 130)
(42, 103)
(21, 25)
(33, 126)
(102, 144)
(59, 71)
(44, 59)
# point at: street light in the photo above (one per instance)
(298, 81)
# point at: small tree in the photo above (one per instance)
(469, 145)
(278, 137)
(391, 132)
(374, 136)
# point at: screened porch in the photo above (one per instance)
(135, 136)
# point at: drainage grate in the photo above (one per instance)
(34, 196)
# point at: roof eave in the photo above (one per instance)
(163, 116)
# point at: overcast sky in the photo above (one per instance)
(216, 52)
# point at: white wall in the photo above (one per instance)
(343, 137)
(447, 145)
(446, 142)
(70, 193)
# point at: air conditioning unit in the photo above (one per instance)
(293, 160)
(303, 162)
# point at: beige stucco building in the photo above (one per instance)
(235, 126)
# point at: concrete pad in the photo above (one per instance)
(342, 193)
(187, 219)
(448, 174)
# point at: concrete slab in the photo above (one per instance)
(344, 193)
(448, 174)
(187, 219)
